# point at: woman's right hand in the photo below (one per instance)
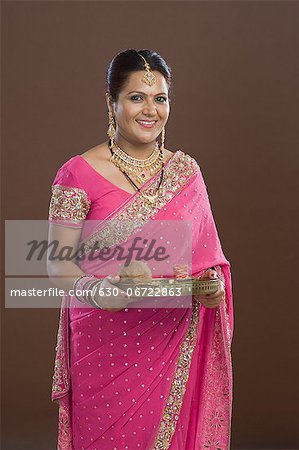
(111, 300)
(212, 300)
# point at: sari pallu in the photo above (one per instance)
(154, 378)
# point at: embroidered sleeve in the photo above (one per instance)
(69, 203)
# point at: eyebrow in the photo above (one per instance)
(143, 93)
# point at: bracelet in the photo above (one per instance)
(79, 281)
(88, 288)
(91, 298)
(89, 275)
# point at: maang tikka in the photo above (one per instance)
(149, 77)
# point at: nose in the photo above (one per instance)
(149, 108)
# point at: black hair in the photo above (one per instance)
(129, 61)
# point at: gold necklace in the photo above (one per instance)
(142, 169)
(150, 198)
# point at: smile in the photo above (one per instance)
(147, 123)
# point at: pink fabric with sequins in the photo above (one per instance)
(144, 378)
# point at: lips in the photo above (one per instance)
(147, 123)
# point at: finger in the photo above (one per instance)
(211, 305)
(211, 300)
(204, 276)
(115, 299)
(215, 299)
(113, 278)
(121, 295)
(111, 282)
(215, 295)
(115, 303)
(209, 274)
(219, 291)
(213, 275)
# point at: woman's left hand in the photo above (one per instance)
(212, 300)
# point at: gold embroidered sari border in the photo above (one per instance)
(175, 398)
(137, 212)
(60, 383)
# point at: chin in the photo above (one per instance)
(146, 139)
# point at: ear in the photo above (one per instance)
(109, 102)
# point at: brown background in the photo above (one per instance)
(235, 110)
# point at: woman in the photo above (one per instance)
(129, 374)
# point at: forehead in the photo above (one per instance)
(135, 83)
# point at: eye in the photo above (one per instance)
(162, 99)
(135, 97)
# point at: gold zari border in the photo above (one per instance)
(135, 214)
(178, 386)
(60, 383)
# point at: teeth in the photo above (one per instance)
(145, 122)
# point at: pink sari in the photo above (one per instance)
(147, 378)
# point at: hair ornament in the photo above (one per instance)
(148, 78)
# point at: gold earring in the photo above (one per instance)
(163, 138)
(111, 130)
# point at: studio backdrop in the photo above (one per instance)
(234, 109)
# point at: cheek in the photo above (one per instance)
(165, 112)
(128, 113)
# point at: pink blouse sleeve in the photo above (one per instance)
(69, 203)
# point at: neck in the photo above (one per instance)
(136, 150)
